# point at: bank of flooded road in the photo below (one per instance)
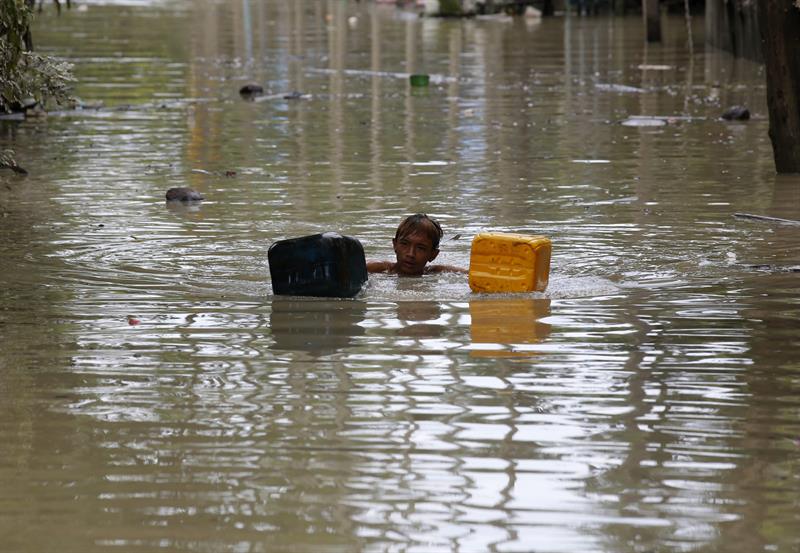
(157, 395)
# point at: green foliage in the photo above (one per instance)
(7, 158)
(7, 161)
(14, 19)
(450, 7)
(24, 74)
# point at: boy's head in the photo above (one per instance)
(416, 242)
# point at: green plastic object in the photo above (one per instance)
(420, 80)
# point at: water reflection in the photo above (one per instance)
(317, 326)
(183, 209)
(419, 319)
(503, 327)
(658, 412)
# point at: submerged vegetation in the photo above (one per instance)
(26, 77)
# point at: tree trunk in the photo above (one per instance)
(779, 21)
(652, 20)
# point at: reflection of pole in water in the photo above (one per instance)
(247, 30)
(411, 67)
(376, 127)
(298, 117)
(455, 45)
(337, 50)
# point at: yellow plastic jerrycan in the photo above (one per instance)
(506, 262)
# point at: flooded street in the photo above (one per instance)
(156, 395)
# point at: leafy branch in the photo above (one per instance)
(24, 74)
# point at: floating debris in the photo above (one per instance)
(766, 219)
(736, 113)
(591, 161)
(251, 90)
(419, 80)
(776, 268)
(532, 13)
(618, 88)
(7, 161)
(14, 167)
(228, 173)
(644, 122)
(625, 200)
(14, 116)
(640, 120)
(652, 67)
(496, 17)
(183, 194)
(434, 78)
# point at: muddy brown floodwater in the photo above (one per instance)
(155, 395)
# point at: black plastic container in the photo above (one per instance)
(328, 265)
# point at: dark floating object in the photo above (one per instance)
(14, 167)
(776, 268)
(28, 104)
(326, 265)
(251, 90)
(419, 80)
(766, 218)
(183, 194)
(736, 113)
(293, 95)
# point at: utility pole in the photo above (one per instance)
(652, 20)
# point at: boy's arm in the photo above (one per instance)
(380, 266)
(445, 269)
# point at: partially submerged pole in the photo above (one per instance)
(779, 21)
(652, 20)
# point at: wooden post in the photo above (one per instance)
(732, 25)
(652, 20)
(779, 21)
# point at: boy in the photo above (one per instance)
(416, 243)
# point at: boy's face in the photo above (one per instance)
(413, 251)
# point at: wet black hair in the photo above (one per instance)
(420, 222)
